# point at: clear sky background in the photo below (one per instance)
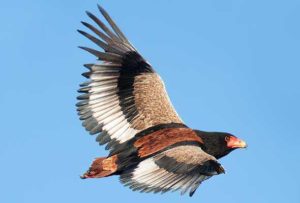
(229, 66)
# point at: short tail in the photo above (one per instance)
(102, 167)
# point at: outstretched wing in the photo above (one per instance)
(123, 95)
(180, 168)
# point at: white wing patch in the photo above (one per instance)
(104, 105)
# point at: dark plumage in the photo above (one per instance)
(125, 102)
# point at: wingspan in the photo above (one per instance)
(180, 168)
(123, 95)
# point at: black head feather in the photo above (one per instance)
(215, 143)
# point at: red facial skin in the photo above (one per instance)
(234, 142)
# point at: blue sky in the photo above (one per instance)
(228, 66)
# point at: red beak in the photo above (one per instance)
(234, 142)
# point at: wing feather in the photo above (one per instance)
(181, 168)
(123, 94)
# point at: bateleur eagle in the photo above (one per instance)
(125, 103)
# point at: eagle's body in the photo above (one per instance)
(126, 103)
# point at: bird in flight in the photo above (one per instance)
(125, 103)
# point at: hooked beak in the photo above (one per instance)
(235, 142)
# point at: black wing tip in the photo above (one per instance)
(84, 23)
(93, 17)
(192, 193)
(81, 32)
(88, 66)
(85, 49)
(86, 74)
(89, 14)
(100, 8)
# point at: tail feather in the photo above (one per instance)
(102, 167)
